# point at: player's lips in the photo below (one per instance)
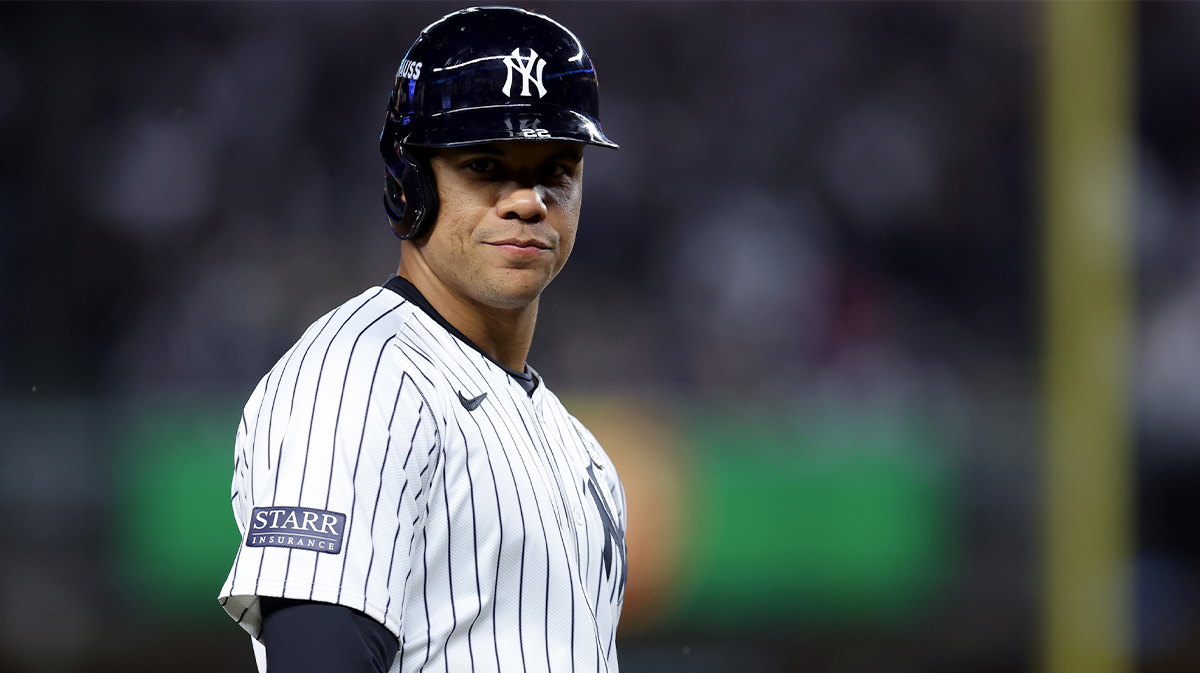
(521, 246)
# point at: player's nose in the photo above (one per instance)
(525, 203)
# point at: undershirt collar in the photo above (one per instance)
(404, 288)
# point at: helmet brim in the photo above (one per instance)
(501, 123)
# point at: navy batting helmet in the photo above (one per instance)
(481, 75)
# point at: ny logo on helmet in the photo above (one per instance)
(524, 65)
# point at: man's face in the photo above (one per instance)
(507, 220)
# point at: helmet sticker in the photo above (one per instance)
(409, 69)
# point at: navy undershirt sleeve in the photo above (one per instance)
(312, 637)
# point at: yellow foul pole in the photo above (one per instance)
(1087, 163)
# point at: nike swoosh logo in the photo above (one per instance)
(473, 403)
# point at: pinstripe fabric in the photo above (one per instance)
(486, 540)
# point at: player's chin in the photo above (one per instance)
(515, 288)
(532, 269)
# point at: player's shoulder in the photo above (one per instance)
(374, 316)
(345, 349)
(348, 334)
(363, 340)
(377, 314)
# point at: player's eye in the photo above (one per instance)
(483, 165)
(555, 170)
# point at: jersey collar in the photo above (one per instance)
(528, 379)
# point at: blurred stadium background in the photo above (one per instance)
(804, 315)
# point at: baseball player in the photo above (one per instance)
(410, 495)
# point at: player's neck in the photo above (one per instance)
(505, 334)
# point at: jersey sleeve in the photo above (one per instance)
(330, 490)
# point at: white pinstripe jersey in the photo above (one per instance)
(489, 539)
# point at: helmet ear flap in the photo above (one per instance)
(394, 204)
(410, 198)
